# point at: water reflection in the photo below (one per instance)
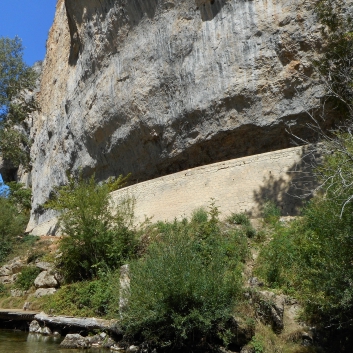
(20, 342)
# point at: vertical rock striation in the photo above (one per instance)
(157, 86)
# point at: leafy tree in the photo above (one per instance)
(185, 288)
(16, 78)
(20, 196)
(98, 237)
(335, 66)
(12, 224)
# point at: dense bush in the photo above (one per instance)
(185, 289)
(87, 298)
(271, 213)
(239, 218)
(25, 279)
(12, 224)
(313, 255)
(98, 236)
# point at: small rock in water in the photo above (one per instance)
(34, 327)
(46, 331)
(75, 341)
(132, 349)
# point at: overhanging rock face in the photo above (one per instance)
(153, 87)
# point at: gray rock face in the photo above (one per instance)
(75, 341)
(41, 292)
(45, 280)
(44, 266)
(157, 86)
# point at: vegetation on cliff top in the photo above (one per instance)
(16, 79)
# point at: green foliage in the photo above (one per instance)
(97, 234)
(117, 183)
(184, 290)
(335, 65)
(12, 224)
(199, 216)
(88, 298)
(313, 256)
(25, 279)
(15, 75)
(279, 260)
(271, 213)
(239, 218)
(15, 78)
(14, 146)
(257, 344)
(20, 196)
(2, 289)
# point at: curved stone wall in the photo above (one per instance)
(237, 185)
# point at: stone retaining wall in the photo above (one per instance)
(238, 185)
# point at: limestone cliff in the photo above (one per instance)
(157, 86)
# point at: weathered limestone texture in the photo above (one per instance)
(238, 185)
(153, 87)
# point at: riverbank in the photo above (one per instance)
(58, 323)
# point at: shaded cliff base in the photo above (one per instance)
(239, 185)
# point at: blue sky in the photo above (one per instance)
(31, 21)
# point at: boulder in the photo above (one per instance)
(132, 349)
(5, 271)
(8, 279)
(14, 266)
(26, 306)
(46, 331)
(41, 292)
(17, 293)
(34, 327)
(124, 288)
(46, 280)
(75, 341)
(44, 266)
(270, 308)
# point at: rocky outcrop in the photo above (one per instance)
(153, 87)
(9, 272)
(46, 280)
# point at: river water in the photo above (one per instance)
(21, 342)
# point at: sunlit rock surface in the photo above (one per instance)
(153, 87)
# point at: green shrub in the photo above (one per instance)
(12, 224)
(88, 298)
(199, 216)
(239, 218)
(98, 236)
(25, 279)
(312, 257)
(271, 213)
(257, 344)
(250, 231)
(184, 291)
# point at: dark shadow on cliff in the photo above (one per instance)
(291, 192)
(211, 8)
